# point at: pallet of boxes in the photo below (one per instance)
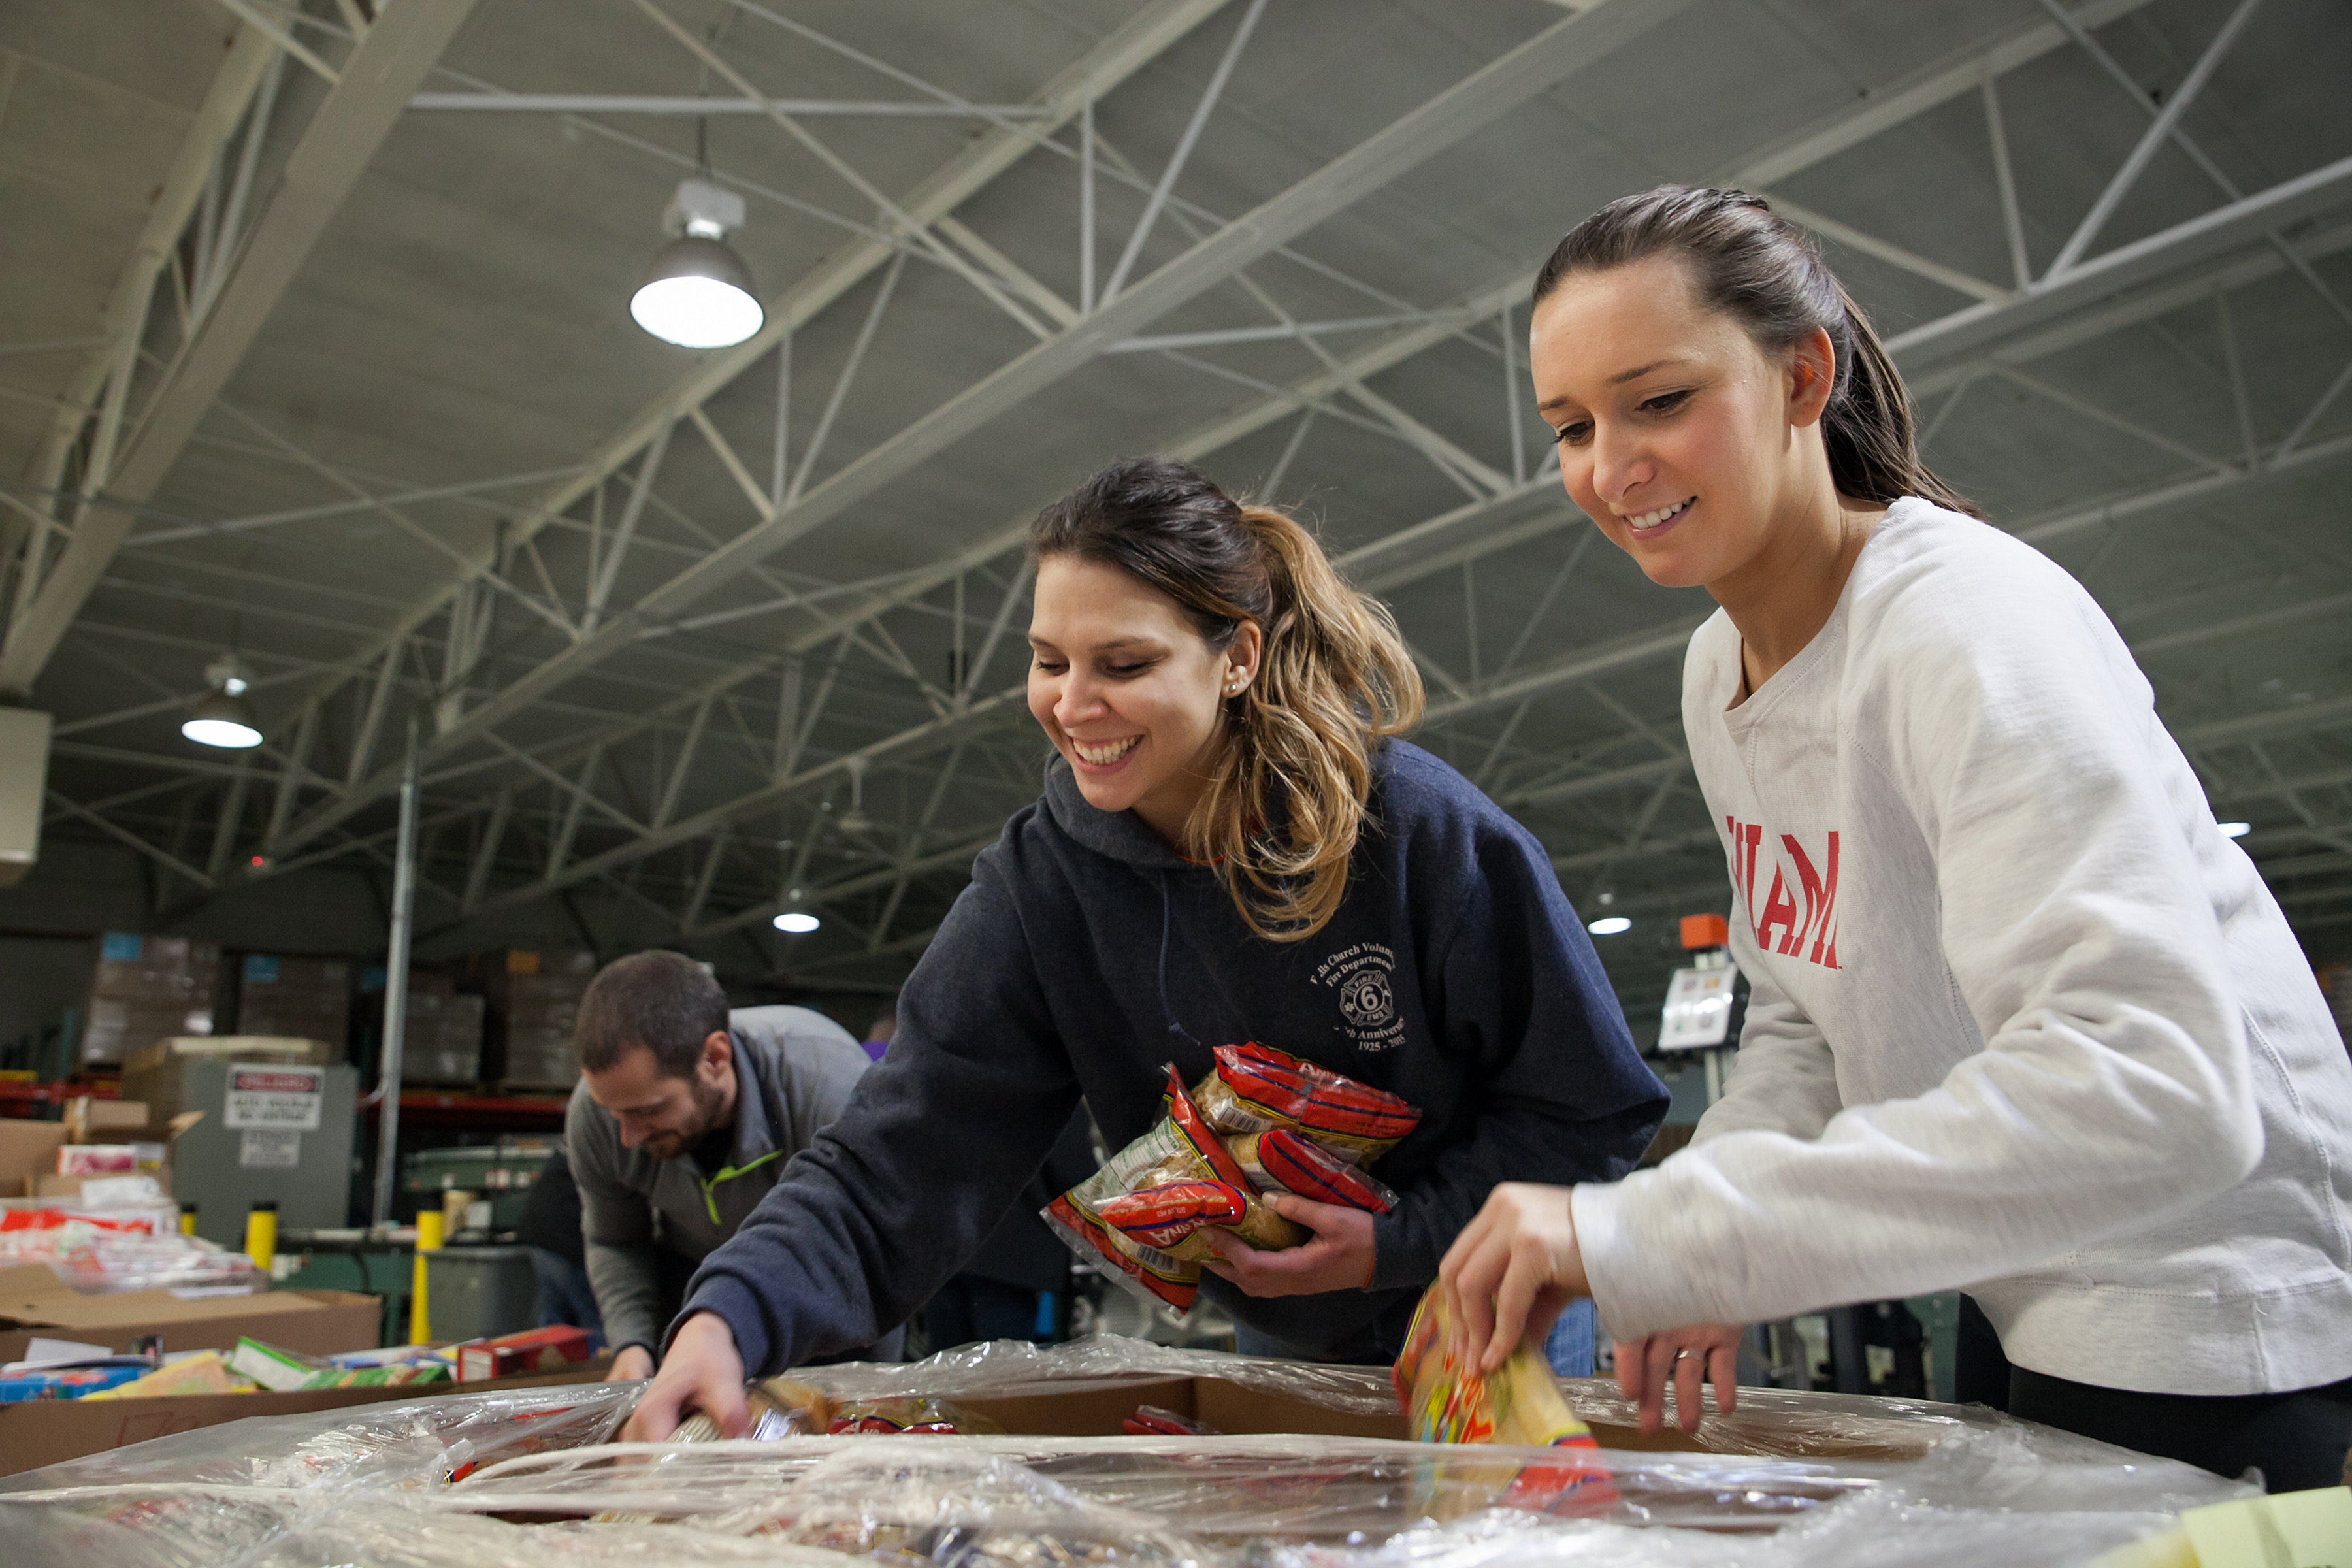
(442, 1042)
(532, 1000)
(149, 988)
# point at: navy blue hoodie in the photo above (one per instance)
(1085, 954)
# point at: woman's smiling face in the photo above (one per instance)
(1130, 694)
(1677, 434)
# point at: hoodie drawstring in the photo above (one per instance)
(1167, 925)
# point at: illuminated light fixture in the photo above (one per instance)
(221, 717)
(2234, 829)
(699, 294)
(1609, 925)
(796, 922)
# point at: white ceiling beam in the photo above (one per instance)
(343, 137)
(1471, 105)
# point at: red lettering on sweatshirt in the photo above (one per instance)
(1817, 885)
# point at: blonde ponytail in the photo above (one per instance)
(1283, 813)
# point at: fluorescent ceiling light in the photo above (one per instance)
(2235, 830)
(799, 922)
(1609, 925)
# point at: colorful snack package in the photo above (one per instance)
(1163, 1217)
(1154, 1421)
(906, 1416)
(1446, 1399)
(1286, 1161)
(780, 1407)
(1180, 1149)
(1257, 1089)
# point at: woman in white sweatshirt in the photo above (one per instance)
(2022, 1020)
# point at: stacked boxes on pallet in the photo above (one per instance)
(535, 1001)
(149, 988)
(305, 998)
(442, 1043)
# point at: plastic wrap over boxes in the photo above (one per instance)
(306, 998)
(1304, 1469)
(149, 988)
(442, 1043)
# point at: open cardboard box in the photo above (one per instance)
(1095, 1407)
(49, 1432)
(33, 1302)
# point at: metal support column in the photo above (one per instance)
(396, 984)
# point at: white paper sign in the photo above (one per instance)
(285, 1098)
(269, 1151)
(1698, 1009)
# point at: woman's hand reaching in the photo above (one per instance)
(1513, 1270)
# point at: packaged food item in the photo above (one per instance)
(63, 1382)
(1257, 1089)
(780, 1407)
(909, 1417)
(1153, 1421)
(1283, 1161)
(204, 1373)
(279, 1370)
(1446, 1399)
(1260, 1122)
(534, 1350)
(109, 1159)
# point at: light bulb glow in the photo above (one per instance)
(223, 733)
(696, 312)
(798, 922)
(1609, 925)
(2235, 830)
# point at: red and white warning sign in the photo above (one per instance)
(281, 1099)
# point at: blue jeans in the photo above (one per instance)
(564, 1296)
(1568, 1347)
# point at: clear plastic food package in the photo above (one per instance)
(1260, 1122)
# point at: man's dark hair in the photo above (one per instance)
(663, 1001)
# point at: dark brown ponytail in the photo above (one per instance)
(1768, 274)
(1280, 818)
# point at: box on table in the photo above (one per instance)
(441, 1040)
(534, 1350)
(28, 1150)
(308, 998)
(51, 1432)
(157, 1075)
(89, 1120)
(149, 988)
(33, 1302)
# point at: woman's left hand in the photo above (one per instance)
(1338, 1257)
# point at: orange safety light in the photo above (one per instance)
(1704, 932)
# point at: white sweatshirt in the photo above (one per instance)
(2022, 1022)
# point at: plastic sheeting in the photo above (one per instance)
(516, 1479)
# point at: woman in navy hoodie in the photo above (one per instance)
(1230, 846)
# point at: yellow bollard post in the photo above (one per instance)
(429, 1239)
(188, 1219)
(261, 1233)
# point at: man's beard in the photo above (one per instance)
(707, 1104)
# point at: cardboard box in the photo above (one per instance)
(50, 1433)
(34, 1302)
(149, 988)
(308, 998)
(533, 1005)
(1095, 1407)
(89, 1120)
(155, 1075)
(534, 1350)
(28, 1149)
(442, 1041)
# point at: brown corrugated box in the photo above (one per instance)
(49, 1432)
(309, 998)
(28, 1149)
(154, 1074)
(533, 998)
(441, 1040)
(34, 1302)
(149, 988)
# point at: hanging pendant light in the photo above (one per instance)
(221, 717)
(796, 918)
(699, 294)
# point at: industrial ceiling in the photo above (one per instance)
(314, 348)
